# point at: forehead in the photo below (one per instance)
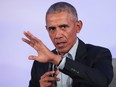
(55, 18)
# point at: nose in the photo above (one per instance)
(59, 33)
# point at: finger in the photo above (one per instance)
(28, 42)
(27, 35)
(32, 37)
(31, 43)
(32, 57)
(35, 42)
(57, 72)
(45, 84)
(50, 85)
(49, 79)
(47, 74)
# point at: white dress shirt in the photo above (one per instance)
(65, 80)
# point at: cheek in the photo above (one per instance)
(71, 34)
(72, 37)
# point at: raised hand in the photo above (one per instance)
(44, 54)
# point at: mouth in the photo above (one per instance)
(60, 44)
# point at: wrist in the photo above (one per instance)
(57, 59)
(59, 62)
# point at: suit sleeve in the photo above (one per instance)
(34, 82)
(96, 71)
(38, 69)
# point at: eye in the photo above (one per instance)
(63, 26)
(51, 28)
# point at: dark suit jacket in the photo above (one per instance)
(92, 67)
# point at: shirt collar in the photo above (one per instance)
(72, 51)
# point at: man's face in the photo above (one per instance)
(62, 30)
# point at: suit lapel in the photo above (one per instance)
(81, 52)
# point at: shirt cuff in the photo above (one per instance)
(62, 63)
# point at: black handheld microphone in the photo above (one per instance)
(52, 67)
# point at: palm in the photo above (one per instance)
(44, 54)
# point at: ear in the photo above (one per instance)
(79, 25)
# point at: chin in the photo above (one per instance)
(62, 51)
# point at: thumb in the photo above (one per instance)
(57, 72)
(32, 57)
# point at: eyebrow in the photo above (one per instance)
(51, 27)
(63, 25)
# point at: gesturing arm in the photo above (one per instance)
(44, 54)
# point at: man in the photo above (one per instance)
(72, 63)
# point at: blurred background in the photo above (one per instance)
(17, 16)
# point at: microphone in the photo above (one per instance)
(52, 67)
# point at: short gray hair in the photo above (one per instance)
(62, 7)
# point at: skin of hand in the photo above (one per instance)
(47, 80)
(44, 54)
